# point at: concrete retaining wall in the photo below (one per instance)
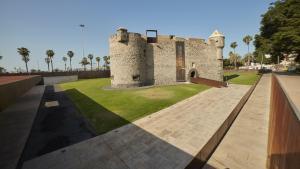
(9, 92)
(80, 74)
(59, 79)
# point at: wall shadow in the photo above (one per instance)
(55, 126)
(99, 117)
(149, 54)
(285, 160)
(228, 77)
(129, 146)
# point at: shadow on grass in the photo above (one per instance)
(136, 147)
(228, 77)
(102, 119)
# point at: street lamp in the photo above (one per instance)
(82, 28)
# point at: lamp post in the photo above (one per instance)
(82, 28)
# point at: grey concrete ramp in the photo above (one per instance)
(15, 125)
(245, 144)
(167, 139)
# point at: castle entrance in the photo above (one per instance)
(180, 62)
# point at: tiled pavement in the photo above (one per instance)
(57, 124)
(15, 125)
(245, 144)
(167, 139)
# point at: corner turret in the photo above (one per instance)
(122, 35)
(217, 39)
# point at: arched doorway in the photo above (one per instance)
(193, 73)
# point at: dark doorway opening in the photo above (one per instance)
(193, 74)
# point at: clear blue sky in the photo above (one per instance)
(40, 25)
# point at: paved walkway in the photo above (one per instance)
(58, 124)
(168, 139)
(15, 125)
(245, 144)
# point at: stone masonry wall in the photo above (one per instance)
(128, 61)
(204, 58)
(134, 62)
(164, 60)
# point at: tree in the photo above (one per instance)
(50, 54)
(261, 58)
(65, 60)
(262, 47)
(233, 45)
(226, 63)
(233, 59)
(106, 61)
(70, 55)
(33, 70)
(1, 68)
(98, 61)
(24, 52)
(279, 32)
(47, 60)
(247, 40)
(84, 62)
(247, 57)
(90, 56)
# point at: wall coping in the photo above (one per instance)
(291, 92)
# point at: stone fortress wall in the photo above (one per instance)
(134, 62)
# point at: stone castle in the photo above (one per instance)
(138, 60)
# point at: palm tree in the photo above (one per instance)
(50, 54)
(232, 58)
(90, 56)
(247, 39)
(106, 61)
(233, 45)
(70, 54)
(84, 62)
(98, 60)
(24, 52)
(47, 60)
(65, 60)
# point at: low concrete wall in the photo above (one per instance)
(80, 74)
(59, 79)
(11, 91)
(284, 129)
(240, 70)
(208, 82)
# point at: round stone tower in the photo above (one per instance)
(218, 39)
(127, 55)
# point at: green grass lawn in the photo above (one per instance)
(244, 78)
(109, 109)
